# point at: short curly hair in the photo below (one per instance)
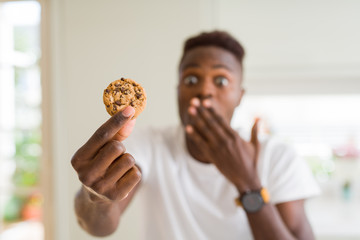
(220, 39)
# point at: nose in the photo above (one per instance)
(206, 89)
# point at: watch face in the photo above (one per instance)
(252, 202)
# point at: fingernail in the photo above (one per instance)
(206, 103)
(192, 110)
(189, 129)
(195, 102)
(128, 111)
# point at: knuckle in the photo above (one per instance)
(85, 179)
(76, 160)
(101, 134)
(135, 175)
(128, 160)
(117, 146)
(138, 173)
(112, 195)
(98, 187)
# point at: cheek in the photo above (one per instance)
(184, 95)
(227, 103)
(183, 104)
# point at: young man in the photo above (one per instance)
(190, 175)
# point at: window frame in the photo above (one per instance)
(46, 160)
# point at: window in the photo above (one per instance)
(325, 130)
(20, 121)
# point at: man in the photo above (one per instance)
(192, 174)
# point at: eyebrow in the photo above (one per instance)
(222, 66)
(217, 66)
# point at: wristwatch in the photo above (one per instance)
(252, 201)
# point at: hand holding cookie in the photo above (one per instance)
(103, 167)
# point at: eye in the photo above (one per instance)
(191, 80)
(221, 81)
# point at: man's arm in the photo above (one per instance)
(283, 221)
(294, 216)
(98, 216)
(108, 175)
(237, 160)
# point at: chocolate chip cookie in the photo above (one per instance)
(122, 93)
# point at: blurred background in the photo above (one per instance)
(302, 78)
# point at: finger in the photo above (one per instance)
(254, 139)
(198, 140)
(254, 133)
(96, 167)
(126, 184)
(106, 132)
(119, 167)
(212, 125)
(200, 125)
(195, 102)
(227, 130)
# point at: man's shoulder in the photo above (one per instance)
(268, 142)
(277, 145)
(156, 130)
(272, 146)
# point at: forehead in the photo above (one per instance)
(210, 56)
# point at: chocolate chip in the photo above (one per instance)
(114, 107)
(117, 85)
(127, 92)
(117, 102)
(122, 89)
(138, 95)
(107, 90)
(132, 103)
(134, 84)
(108, 106)
(122, 79)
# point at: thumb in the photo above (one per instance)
(254, 140)
(254, 134)
(125, 131)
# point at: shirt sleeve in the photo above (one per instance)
(289, 176)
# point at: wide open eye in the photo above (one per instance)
(191, 80)
(221, 81)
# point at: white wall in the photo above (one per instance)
(297, 46)
(300, 45)
(96, 42)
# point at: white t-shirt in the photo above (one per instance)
(186, 199)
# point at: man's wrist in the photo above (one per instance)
(247, 187)
(254, 200)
